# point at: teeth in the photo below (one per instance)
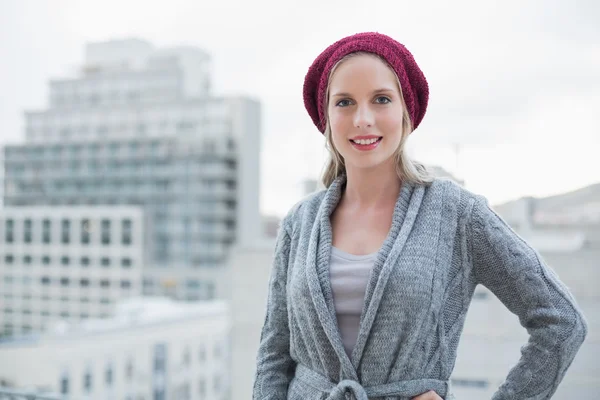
(365, 141)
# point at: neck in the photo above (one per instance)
(371, 188)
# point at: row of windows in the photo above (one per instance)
(125, 148)
(38, 152)
(66, 281)
(109, 380)
(26, 297)
(46, 313)
(85, 235)
(143, 183)
(84, 261)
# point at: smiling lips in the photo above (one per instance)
(366, 142)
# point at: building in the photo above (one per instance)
(248, 271)
(139, 126)
(67, 263)
(150, 349)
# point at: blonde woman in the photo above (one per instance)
(373, 276)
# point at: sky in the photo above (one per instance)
(514, 85)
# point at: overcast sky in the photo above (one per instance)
(515, 83)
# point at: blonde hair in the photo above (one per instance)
(407, 169)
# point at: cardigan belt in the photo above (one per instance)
(401, 388)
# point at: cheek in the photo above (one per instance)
(391, 123)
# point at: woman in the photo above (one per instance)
(373, 276)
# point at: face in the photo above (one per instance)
(365, 112)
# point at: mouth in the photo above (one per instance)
(366, 144)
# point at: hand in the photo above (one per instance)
(431, 395)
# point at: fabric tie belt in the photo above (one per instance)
(339, 391)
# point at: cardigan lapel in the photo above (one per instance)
(405, 213)
(318, 275)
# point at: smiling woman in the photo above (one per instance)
(374, 275)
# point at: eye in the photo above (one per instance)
(383, 100)
(343, 103)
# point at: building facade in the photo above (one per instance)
(150, 349)
(140, 127)
(67, 263)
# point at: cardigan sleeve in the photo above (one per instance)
(517, 275)
(275, 367)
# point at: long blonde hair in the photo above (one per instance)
(407, 169)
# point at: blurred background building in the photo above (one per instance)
(149, 349)
(139, 127)
(68, 263)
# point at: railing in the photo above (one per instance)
(13, 394)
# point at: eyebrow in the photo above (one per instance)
(382, 90)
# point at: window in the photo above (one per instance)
(27, 231)
(85, 261)
(104, 283)
(87, 381)
(108, 375)
(46, 260)
(85, 231)
(125, 284)
(65, 260)
(84, 282)
(66, 226)
(64, 281)
(9, 225)
(202, 388)
(64, 384)
(105, 261)
(473, 383)
(202, 354)
(126, 262)
(126, 232)
(9, 259)
(27, 260)
(46, 231)
(105, 231)
(129, 370)
(187, 357)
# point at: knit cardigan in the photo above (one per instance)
(443, 242)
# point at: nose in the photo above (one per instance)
(363, 117)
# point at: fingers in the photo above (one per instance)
(431, 395)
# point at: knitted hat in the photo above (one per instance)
(412, 81)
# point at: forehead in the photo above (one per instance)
(363, 71)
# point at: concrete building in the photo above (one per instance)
(150, 349)
(139, 126)
(67, 263)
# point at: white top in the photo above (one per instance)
(349, 275)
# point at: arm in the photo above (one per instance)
(516, 274)
(275, 367)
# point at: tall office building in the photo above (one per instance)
(140, 127)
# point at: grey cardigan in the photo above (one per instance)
(444, 240)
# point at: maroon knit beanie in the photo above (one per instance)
(412, 81)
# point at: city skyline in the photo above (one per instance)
(506, 84)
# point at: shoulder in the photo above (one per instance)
(450, 193)
(446, 189)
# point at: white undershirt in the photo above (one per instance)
(349, 275)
